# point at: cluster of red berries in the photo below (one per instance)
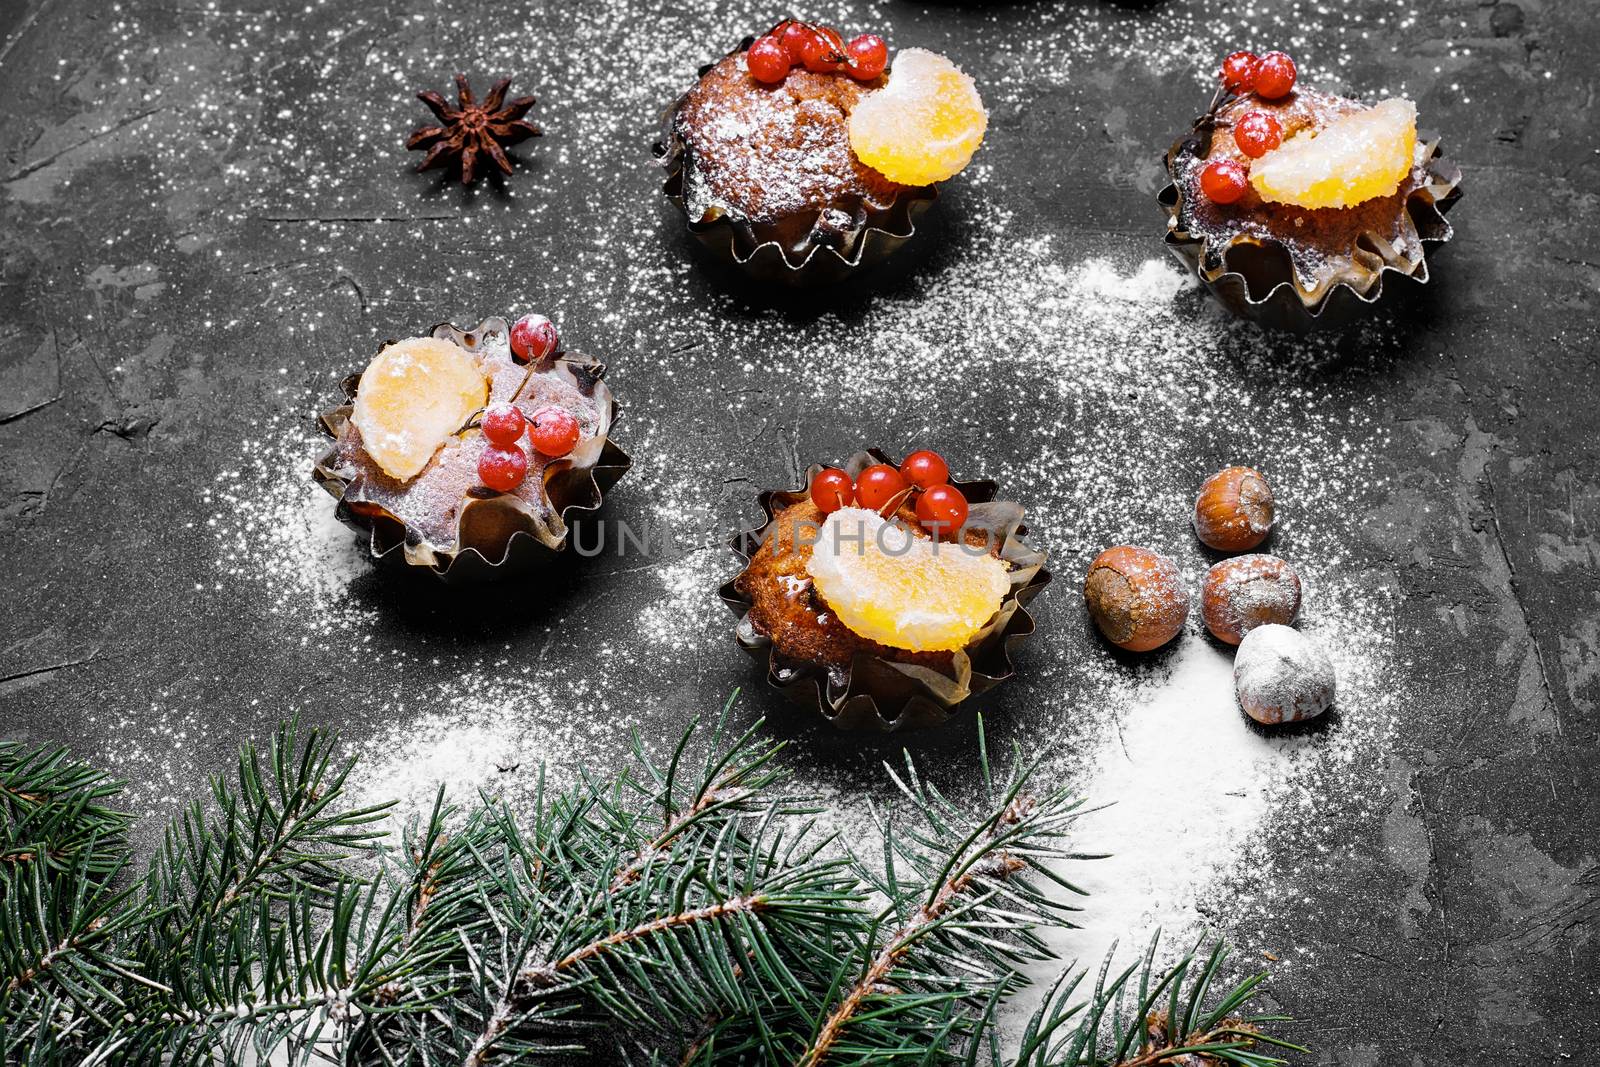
(1270, 77)
(817, 48)
(552, 431)
(940, 507)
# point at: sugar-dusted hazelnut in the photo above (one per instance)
(1281, 675)
(1234, 511)
(1244, 592)
(1136, 597)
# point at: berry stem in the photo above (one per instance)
(892, 505)
(526, 378)
(836, 55)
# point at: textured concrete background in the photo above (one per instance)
(188, 189)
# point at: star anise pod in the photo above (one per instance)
(472, 130)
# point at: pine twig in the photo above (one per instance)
(46, 961)
(963, 901)
(1172, 1018)
(549, 975)
(724, 792)
(51, 809)
(714, 922)
(739, 905)
(998, 865)
(734, 773)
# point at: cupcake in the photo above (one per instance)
(800, 158)
(884, 595)
(468, 449)
(1291, 204)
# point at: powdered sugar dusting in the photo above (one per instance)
(689, 616)
(1153, 285)
(494, 731)
(275, 529)
(1120, 389)
(1128, 339)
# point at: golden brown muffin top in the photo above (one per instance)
(766, 152)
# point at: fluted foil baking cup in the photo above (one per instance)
(881, 694)
(759, 249)
(497, 535)
(1278, 301)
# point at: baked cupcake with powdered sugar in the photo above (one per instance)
(799, 158)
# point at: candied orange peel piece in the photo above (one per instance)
(1354, 159)
(412, 397)
(891, 586)
(924, 125)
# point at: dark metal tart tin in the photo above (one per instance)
(1254, 277)
(496, 535)
(773, 252)
(877, 694)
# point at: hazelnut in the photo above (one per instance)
(1281, 675)
(1234, 511)
(1136, 597)
(1246, 591)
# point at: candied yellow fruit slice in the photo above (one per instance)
(1350, 161)
(412, 397)
(898, 589)
(924, 125)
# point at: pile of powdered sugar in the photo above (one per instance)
(274, 528)
(1176, 785)
(489, 732)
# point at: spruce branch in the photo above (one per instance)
(731, 777)
(1172, 1017)
(275, 829)
(61, 854)
(964, 894)
(238, 899)
(51, 810)
(686, 910)
(730, 924)
(988, 861)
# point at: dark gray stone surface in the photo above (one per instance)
(208, 220)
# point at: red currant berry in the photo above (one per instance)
(868, 56)
(1257, 133)
(832, 489)
(823, 52)
(533, 337)
(502, 469)
(1224, 181)
(925, 469)
(1275, 76)
(502, 424)
(878, 485)
(942, 510)
(554, 431)
(1239, 72)
(767, 61)
(793, 36)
